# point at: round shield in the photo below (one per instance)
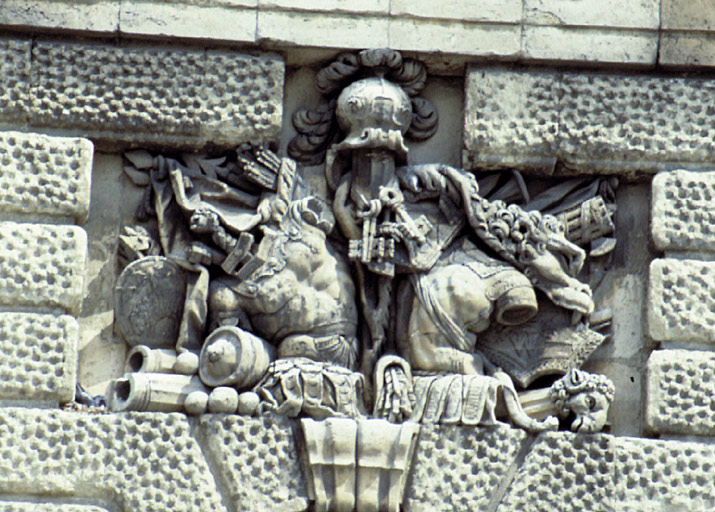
(149, 302)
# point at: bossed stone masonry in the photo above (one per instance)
(38, 357)
(589, 122)
(47, 176)
(142, 95)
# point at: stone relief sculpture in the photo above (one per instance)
(411, 294)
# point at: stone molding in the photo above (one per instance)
(644, 33)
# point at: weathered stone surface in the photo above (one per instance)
(144, 461)
(564, 472)
(688, 35)
(590, 45)
(459, 468)
(508, 11)
(434, 35)
(31, 506)
(590, 122)
(92, 15)
(642, 14)
(644, 123)
(42, 265)
(348, 6)
(150, 95)
(681, 300)
(687, 14)
(664, 475)
(511, 119)
(257, 460)
(681, 392)
(321, 29)
(45, 175)
(38, 357)
(234, 21)
(687, 49)
(683, 213)
(14, 79)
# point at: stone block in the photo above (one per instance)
(458, 37)
(681, 300)
(680, 392)
(590, 45)
(141, 461)
(38, 357)
(638, 122)
(257, 460)
(15, 56)
(332, 30)
(590, 122)
(511, 120)
(565, 472)
(346, 6)
(687, 49)
(460, 468)
(683, 212)
(89, 15)
(42, 266)
(642, 14)
(504, 11)
(45, 176)
(234, 22)
(664, 475)
(156, 95)
(687, 14)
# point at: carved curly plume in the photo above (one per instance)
(424, 120)
(318, 129)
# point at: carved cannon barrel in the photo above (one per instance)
(142, 359)
(233, 357)
(157, 392)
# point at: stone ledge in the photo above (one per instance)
(46, 176)
(681, 300)
(38, 357)
(615, 33)
(681, 392)
(144, 96)
(682, 212)
(590, 123)
(42, 266)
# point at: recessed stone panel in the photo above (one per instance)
(42, 266)
(157, 95)
(42, 175)
(683, 211)
(681, 392)
(38, 357)
(681, 300)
